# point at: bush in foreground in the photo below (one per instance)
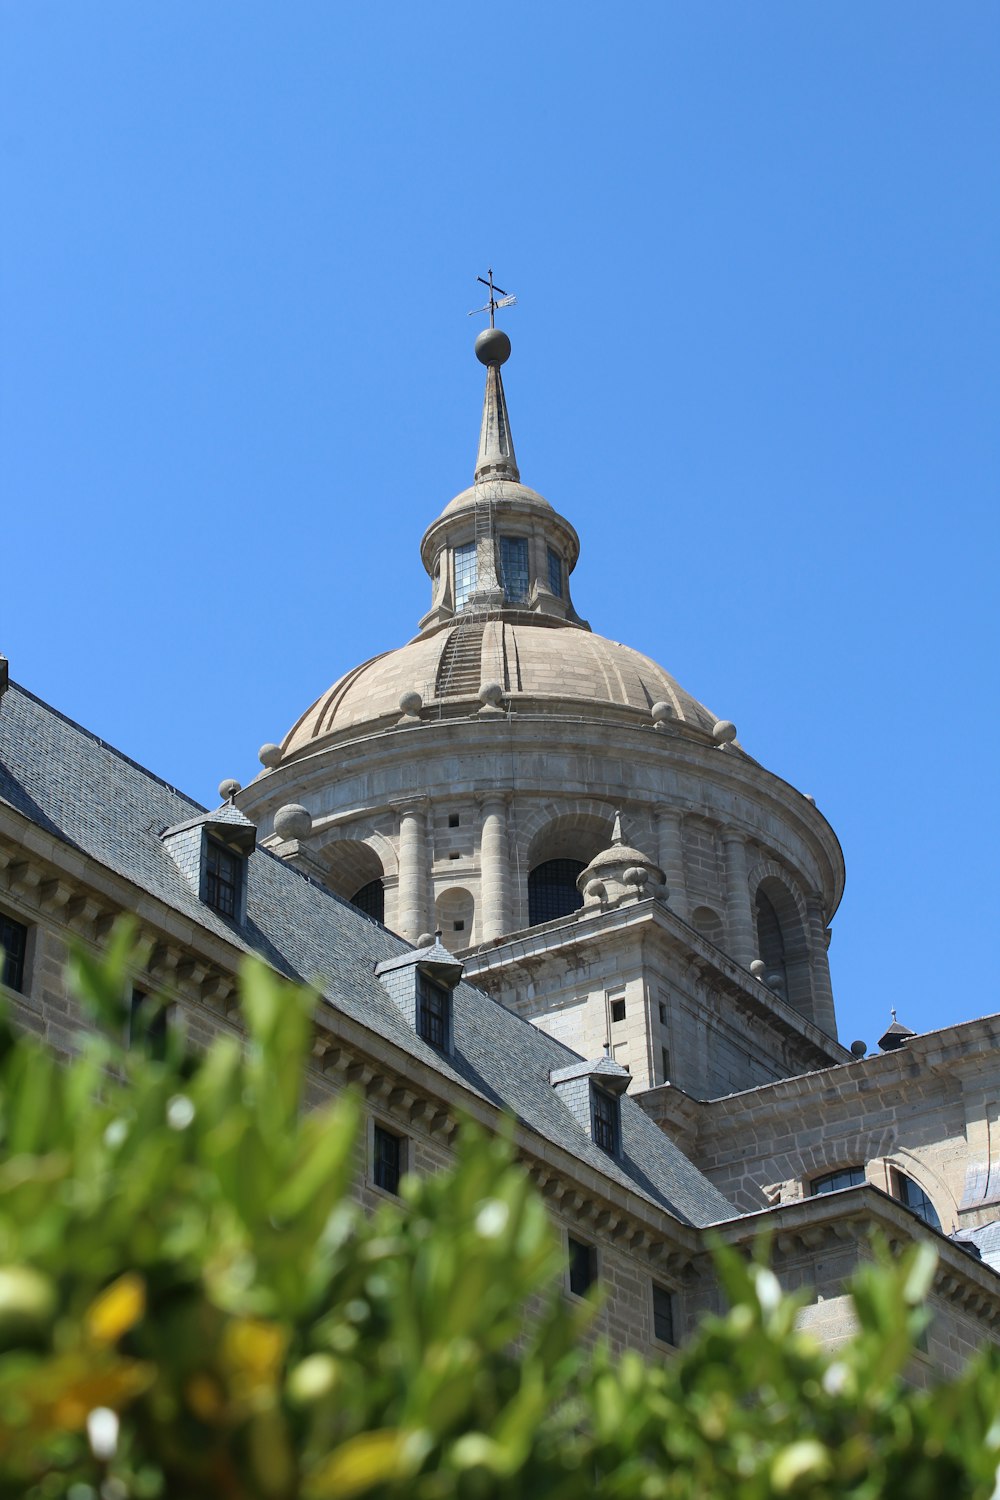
(192, 1306)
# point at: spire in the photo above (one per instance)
(616, 832)
(496, 446)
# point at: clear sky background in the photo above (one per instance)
(755, 362)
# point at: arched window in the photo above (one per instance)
(371, 900)
(908, 1192)
(833, 1181)
(552, 890)
(782, 945)
(770, 943)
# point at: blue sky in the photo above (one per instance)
(755, 363)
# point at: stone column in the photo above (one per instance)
(494, 863)
(823, 1011)
(740, 928)
(670, 858)
(413, 917)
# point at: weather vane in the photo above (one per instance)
(504, 299)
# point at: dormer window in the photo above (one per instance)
(606, 1114)
(592, 1092)
(514, 568)
(433, 1012)
(211, 853)
(421, 983)
(555, 572)
(223, 876)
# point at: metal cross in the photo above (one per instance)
(504, 299)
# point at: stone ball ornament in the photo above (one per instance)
(758, 968)
(411, 702)
(269, 756)
(491, 693)
(293, 821)
(660, 713)
(228, 789)
(595, 890)
(724, 732)
(637, 876)
(425, 940)
(492, 347)
(859, 1048)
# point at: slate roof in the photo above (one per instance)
(84, 792)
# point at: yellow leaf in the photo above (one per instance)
(370, 1459)
(118, 1308)
(205, 1398)
(254, 1349)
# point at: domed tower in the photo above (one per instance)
(476, 781)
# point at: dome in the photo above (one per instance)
(542, 668)
(501, 492)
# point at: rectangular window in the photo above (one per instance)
(618, 1010)
(147, 1024)
(605, 1114)
(555, 573)
(14, 942)
(665, 1063)
(582, 1266)
(453, 820)
(387, 1163)
(222, 879)
(433, 1002)
(466, 573)
(663, 1013)
(663, 1314)
(514, 567)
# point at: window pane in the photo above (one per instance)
(555, 573)
(388, 1160)
(663, 1314)
(834, 1181)
(432, 1012)
(371, 900)
(14, 942)
(582, 1266)
(222, 875)
(514, 567)
(914, 1197)
(465, 573)
(605, 1108)
(552, 890)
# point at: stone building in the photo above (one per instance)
(529, 873)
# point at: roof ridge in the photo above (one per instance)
(106, 745)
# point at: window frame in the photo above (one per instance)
(433, 1016)
(654, 1313)
(380, 1133)
(465, 559)
(817, 1184)
(588, 1252)
(554, 563)
(15, 967)
(522, 574)
(605, 1120)
(903, 1185)
(210, 885)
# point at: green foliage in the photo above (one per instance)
(191, 1305)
